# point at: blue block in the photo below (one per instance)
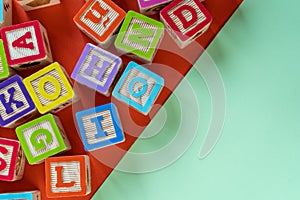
(20, 195)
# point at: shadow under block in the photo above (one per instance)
(5, 13)
(26, 45)
(28, 5)
(31, 195)
(12, 160)
(42, 137)
(151, 7)
(68, 176)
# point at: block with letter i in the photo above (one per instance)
(185, 20)
(97, 69)
(50, 89)
(12, 160)
(68, 176)
(151, 7)
(100, 19)
(30, 195)
(139, 36)
(42, 137)
(26, 45)
(100, 127)
(5, 70)
(138, 87)
(37, 4)
(5, 13)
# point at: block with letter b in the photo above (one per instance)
(37, 4)
(97, 69)
(100, 127)
(12, 160)
(30, 195)
(185, 20)
(138, 87)
(100, 19)
(151, 7)
(139, 36)
(26, 45)
(5, 13)
(42, 137)
(50, 89)
(68, 176)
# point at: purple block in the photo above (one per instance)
(150, 7)
(15, 101)
(97, 68)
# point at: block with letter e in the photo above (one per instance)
(30, 195)
(68, 176)
(26, 45)
(151, 7)
(185, 20)
(42, 137)
(5, 13)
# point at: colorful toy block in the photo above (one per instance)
(50, 89)
(12, 160)
(151, 7)
(32, 195)
(138, 87)
(68, 176)
(37, 4)
(185, 20)
(5, 13)
(42, 137)
(15, 102)
(100, 127)
(100, 19)
(97, 69)
(4, 69)
(26, 45)
(139, 36)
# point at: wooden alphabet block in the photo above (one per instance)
(151, 7)
(50, 89)
(100, 127)
(68, 176)
(42, 137)
(31, 195)
(26, 45)
(12, 160)
(139, 36)
(138, 87)
(97, 69)
(5, 70)
(37, 4)
(15, 102)
(185, 20)
(100, 19)
(5, 13)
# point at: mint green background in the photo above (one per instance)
(258, 154)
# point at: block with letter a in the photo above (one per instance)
(37, 4)
(185, 20)
(151, 7)
(30, 195)
(100, 19)
(5, 13)
(26, 45)
(68, 176)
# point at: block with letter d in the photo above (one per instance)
(50, 89)
(30, 195)
(100, 19)
(42, 137)
(151, 7)
(139, 36)
(185, 20)
(12, 160)
(5, 13)
(26, 45)
(37, 4)
(68, 176)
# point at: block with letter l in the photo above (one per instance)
(5, 13)
(30, 195)
(151, 7)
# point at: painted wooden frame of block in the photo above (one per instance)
(100, 127)
(151, 7)
(100, 19)
(26, 45)
(37, 4)
(185, 20)
(4, 69)
(134, 29)
(138, 87)
(97, 69)
(12, 160)
(31, 195)
(15, 102)
(68, 176)
(5, 13)
(42, 137)
(50, 89)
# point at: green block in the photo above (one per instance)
(42, 138)
(139, 36)
(4, 72)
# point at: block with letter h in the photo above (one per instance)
(37, 4)
(68, 176)
(97, 69)
(185, 20)
(5, 70)
(26, 45)
(5, 13)
(50, 89)
(42, 138)
(100, 19)
(139, 36)
(151, 7)
(30, 195)
(12, 160)
(100, 127)
(138, 87)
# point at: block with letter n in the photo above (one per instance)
(5, 13)
(42, 137)
(139, 36)
(68, 176)
(30, 195)
(151, 7)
